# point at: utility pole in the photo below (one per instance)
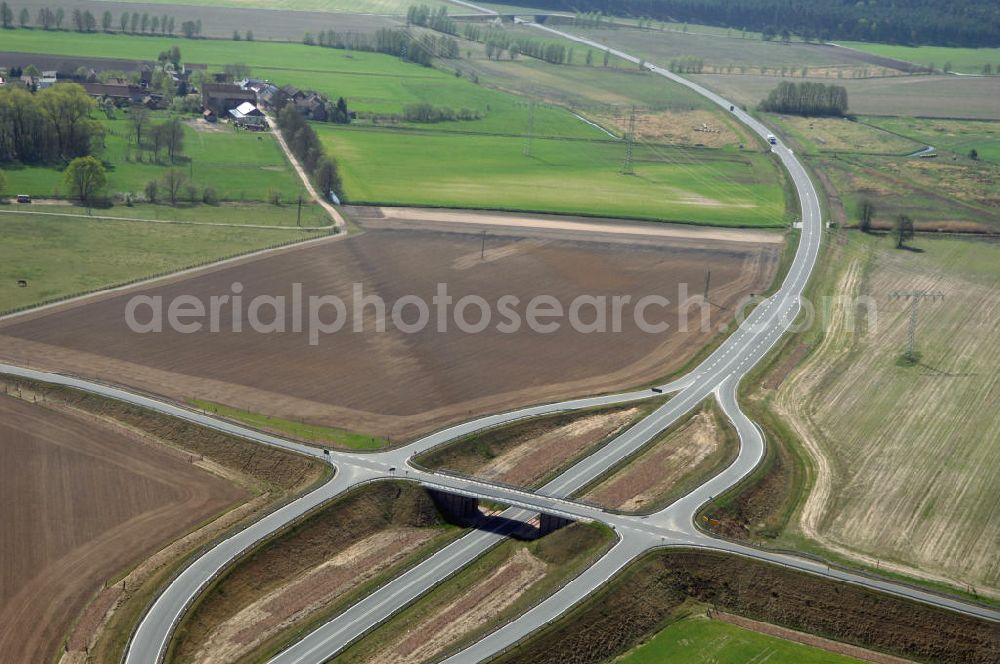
(914, 296)
(708, 280)
(298, 218)
(482, 251)
(629, 139)
(531, 129)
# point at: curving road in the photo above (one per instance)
(718, 376)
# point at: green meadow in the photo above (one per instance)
(965, 60)
(569, 176)
(698, 639)
(958, 136)
(241, 166)
(574, 167)
(59, 257)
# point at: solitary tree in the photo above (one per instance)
(123, 22)
(903, 231)
(173, 182)
(3, 184)
(974, 154)
(85, 178)
(24, 18)
(236, 35)
(138, 119)
(6, 15)
(327, 177)
(866, 212)
(151, 190)
(106, 21)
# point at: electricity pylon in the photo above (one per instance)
(627, 168)
(914, 296)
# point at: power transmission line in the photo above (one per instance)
(530, 137)
(627, 168)
(914, 296)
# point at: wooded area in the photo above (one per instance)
(807, 99)
(955, 23)
(50, 126)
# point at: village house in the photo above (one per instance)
(247, 115)
(221, 98)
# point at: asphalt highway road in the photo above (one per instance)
(717, 375)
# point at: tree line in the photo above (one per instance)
(952, 23)
(498, 40)
(52, 126)
(807, 99)
(425, 17)
(307, 148)
(84, 21)
(398, 43)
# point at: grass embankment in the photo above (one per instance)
(491, 591)
(310, 433)
(665, 586)
(697, 639)
(531, 452)
(284, 216)
(671, 465)
(270, 476)
(60, 257)
(312, 570)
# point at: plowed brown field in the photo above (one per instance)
(395, 384)
(80, 502)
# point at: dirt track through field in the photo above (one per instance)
(80, 502)
(395, 384)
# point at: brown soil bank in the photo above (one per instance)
(396, 384)
(679, 459)
(309, 572)
(525, 454)
(639, 602)
(79, 502)
(169, 453)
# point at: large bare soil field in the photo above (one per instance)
(395, 384)
(79, 503)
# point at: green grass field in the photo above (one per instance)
(699, 639)
(285, 215)
(371, 82)
(577, 177)
(965, 60)
(61, 257)
(241, 166)
(311, 433)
